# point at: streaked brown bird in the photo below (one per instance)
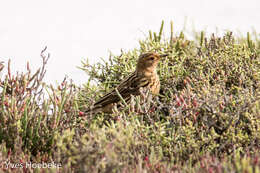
(145, 76)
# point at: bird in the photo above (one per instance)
(145, 76)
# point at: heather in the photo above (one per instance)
(205, 119)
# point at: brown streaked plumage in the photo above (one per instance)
(144, 76)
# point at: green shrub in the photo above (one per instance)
(205, 119)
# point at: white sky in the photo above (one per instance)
(80, 29)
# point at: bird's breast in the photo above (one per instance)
(154, 84)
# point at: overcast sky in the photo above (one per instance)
(80, 29)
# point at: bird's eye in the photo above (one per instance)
(151, 58)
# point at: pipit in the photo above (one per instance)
(145, 76)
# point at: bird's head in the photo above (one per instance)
(148, 62)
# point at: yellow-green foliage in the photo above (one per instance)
(206, 118)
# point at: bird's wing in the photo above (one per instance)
(129, 86)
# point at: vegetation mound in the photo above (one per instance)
(205, 119)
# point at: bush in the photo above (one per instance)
(205, 119)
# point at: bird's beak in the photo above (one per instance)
(163, 55)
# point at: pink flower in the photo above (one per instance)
(81, 113)
(146, 158)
